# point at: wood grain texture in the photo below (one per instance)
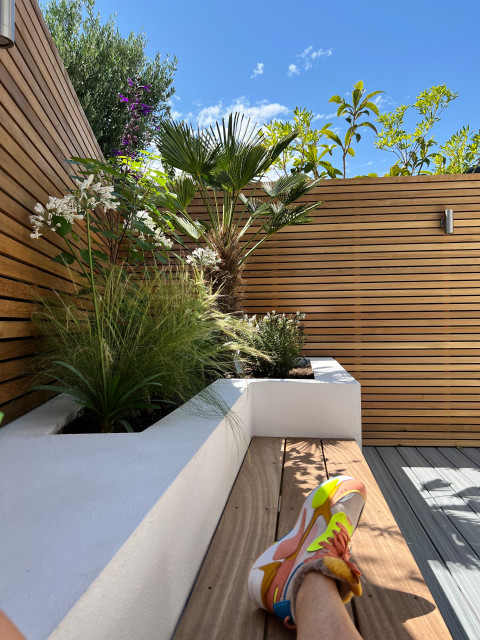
(41, 124)
(396, 602)
(219, 606)
(374, 272)
(456, 612)
(303, 470)
(389, 295)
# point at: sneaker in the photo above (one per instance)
(318, 542)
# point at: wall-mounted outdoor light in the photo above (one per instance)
(447, 221)
(7, 23)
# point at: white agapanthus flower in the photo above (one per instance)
(87, 196)
(157, 236)
(204, 257)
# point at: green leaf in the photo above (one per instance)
(368, 124)
(142, 227)
(336, 99)
(85, 255)
(62, 226)
(126, 425)
(100, 255)
(108, 234)
(64, 258)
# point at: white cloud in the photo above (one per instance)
(321, 52)
(324, 116)
(258, 70)
(383, 101)
(306, 52)
(175, 114)
(258, 113)
(307, 58)
(293, 70)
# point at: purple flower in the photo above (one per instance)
(122, 98)
(147, 87)
(130, 82)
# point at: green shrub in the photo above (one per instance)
(145, 341)
(281, 338)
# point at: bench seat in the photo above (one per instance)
(275, 477)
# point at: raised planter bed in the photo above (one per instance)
(104, 534)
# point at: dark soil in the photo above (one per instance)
(139, 421)
(299, 373)
(302, 373)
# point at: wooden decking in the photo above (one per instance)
(275, 477)
(434, 494)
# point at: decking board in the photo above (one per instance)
(219, 607)
(396, 602)
(424, 483)
(303, 470)
(446, 593)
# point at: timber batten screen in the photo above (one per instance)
(392, 297)
(386, 292)
(41, 124)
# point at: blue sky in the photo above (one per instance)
(305, 52)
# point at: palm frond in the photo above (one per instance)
(255, 206)
(193, 152)
(185, 188)
(193, 229)
(284, 184)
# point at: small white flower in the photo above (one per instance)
(162, 240)
(87, 196)
(203, 257)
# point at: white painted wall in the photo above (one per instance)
(102, 535)
(325, 407)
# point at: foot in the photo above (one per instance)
(318, 542)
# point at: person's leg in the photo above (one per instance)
(320, 612)
(318, 543)
(8, 631)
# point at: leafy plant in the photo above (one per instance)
(98, 60)
(306, 154)
(106, 202)
(414, 150)
(360, 106)
(153, 340)
(281, 338)
(460, 152)
(219, 163)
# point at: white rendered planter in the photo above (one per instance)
(102, 535)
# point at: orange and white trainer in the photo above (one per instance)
(318, 542)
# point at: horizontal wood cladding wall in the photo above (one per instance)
(41, 124)
(392, 297)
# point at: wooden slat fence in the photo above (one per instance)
(41, 124)
(392, 297)
(385, 290)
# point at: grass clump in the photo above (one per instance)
(278, 336)
(146, 342)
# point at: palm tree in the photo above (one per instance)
(219, 163)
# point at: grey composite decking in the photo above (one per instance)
(434, 494)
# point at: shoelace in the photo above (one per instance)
(287, 624)
(338, 545)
